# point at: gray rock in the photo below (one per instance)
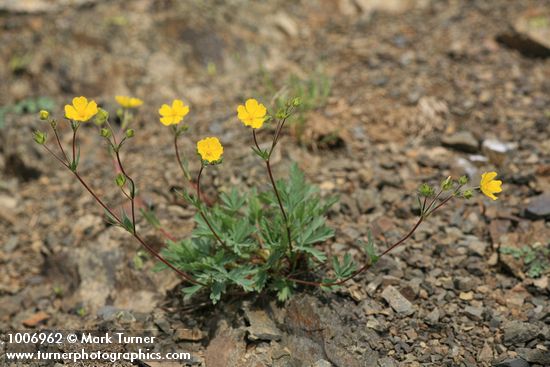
(539, 207)
(433, 317)
(387, 362)
(108, 313)
(516, 332)
(475, 313)
(516, 362)
(464, 141)
(322, 363)
(535, 355)
(261, 326)
(400, 304)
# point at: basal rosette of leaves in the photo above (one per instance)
(250, 223)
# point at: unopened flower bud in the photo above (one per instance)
(120, 180)
(447, 183)
(426, 190)
(296, 102)
(463, 180)
(130, 133)
(106, 133)
(39, 137)
(280, 114)
(101, 116)
(467, 194)
(44, 115)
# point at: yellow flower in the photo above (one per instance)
(175, 114)
(489, 186)
(128, 102)
(210, 149)
(252, 113)
(81, 109)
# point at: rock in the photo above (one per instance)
(261, 326)
(463, 140)
(477, 247)
(108, 313)
(9, 306)
(475, 313)
(538, 207)
(464, 284)
(193, 335)
(516, 362)
(466, 296)
(400, 304)
(497, 151)
(485, 354)
(286, 24)
(538, 356)
(531, 33)
(226, 349)
(36, 319)
(387, 362)
(516, 332)
(433, 317)
(322, 363)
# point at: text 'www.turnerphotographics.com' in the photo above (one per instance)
(84, 346)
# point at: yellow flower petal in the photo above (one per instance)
(168, 120)
(70, 112)
(91, 110)
(80, 103)
(165, 110)
(242, 113)
(251, 105)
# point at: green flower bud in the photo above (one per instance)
(130, 133)
(39, 137)
(53, 124)
(44, 115)
(281, 114)
(296, 102)
(426, 190)
(101, 116)
(463, 180)
(468, 194)
(106, 133)
(120, 180)
(447, 183)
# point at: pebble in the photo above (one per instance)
(464, 141)
(188, 335)
(538, 356)
(322, 363)
(516, 362)
(475, 313)
(261, 326)
(400, 304)
(538, 207)
(516, 332)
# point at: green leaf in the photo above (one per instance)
(216, 291)
(370, 249)
(127, 223)
(190, 291)
(150, 217)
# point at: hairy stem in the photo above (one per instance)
(220, 241)
(369, 264)
(183, 274)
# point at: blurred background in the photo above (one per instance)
(394, 92)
